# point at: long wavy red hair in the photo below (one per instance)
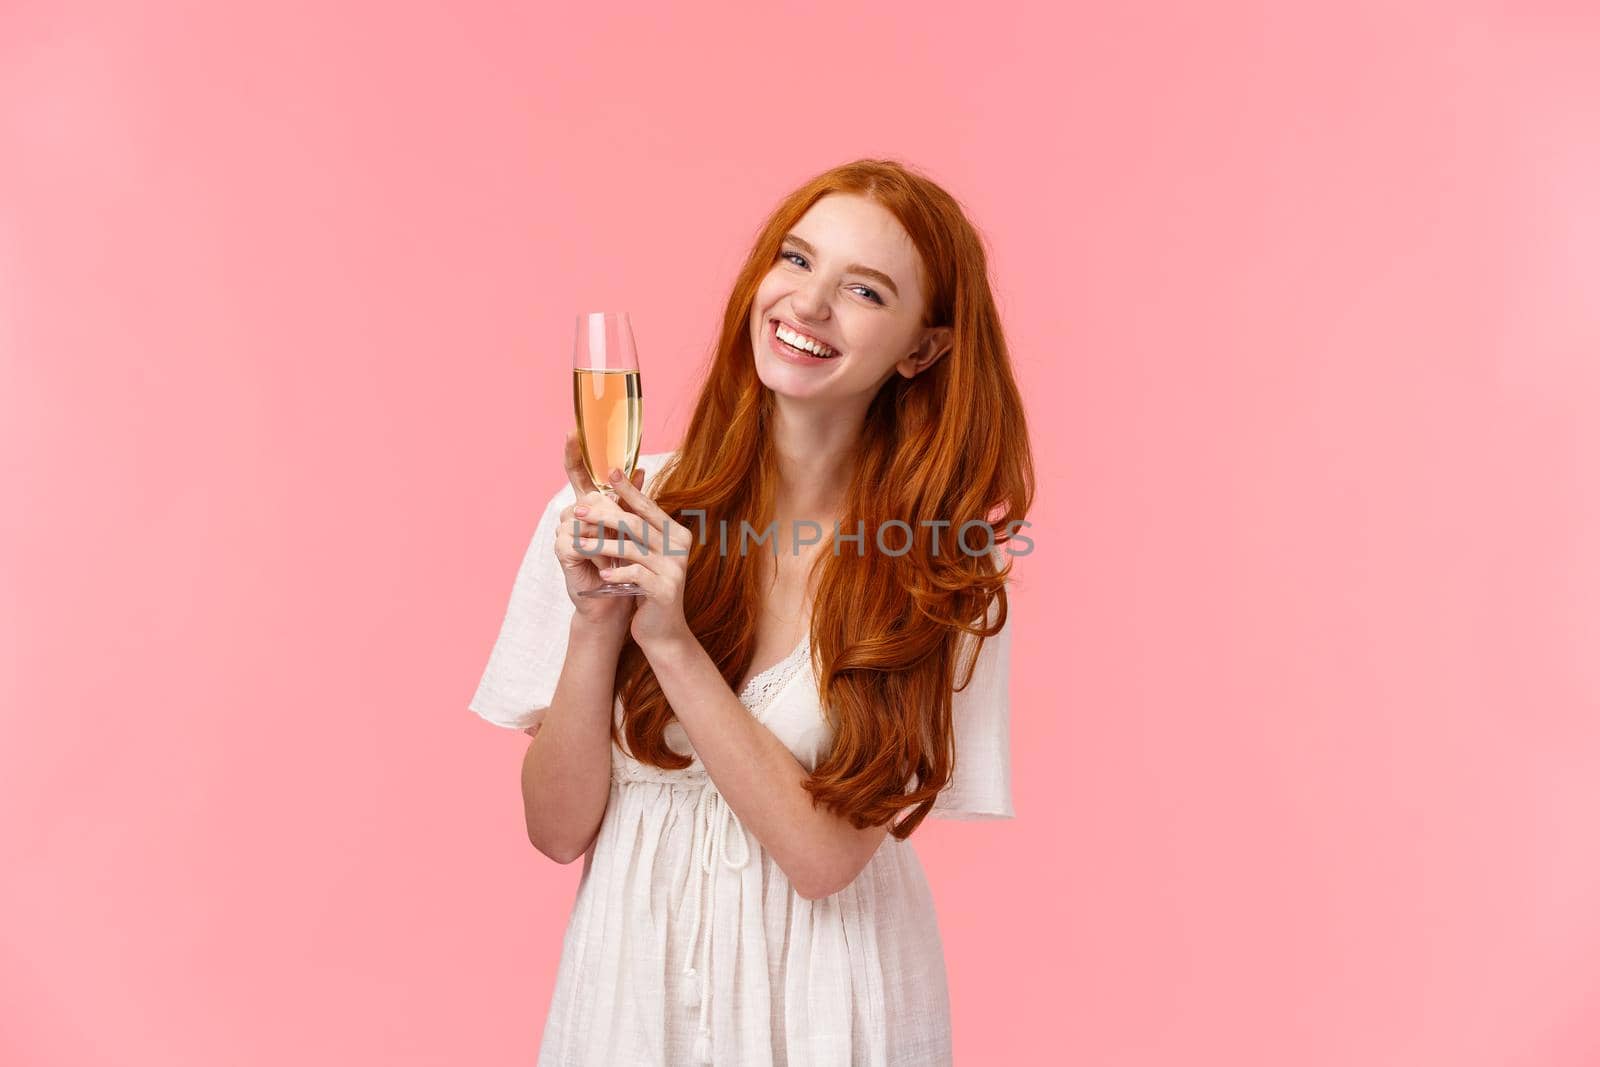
(886, 631)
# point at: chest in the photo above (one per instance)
(785, 616)
(785, 700)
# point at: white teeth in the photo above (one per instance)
(816, 348)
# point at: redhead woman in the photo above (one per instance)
(819, 660)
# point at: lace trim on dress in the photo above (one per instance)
(757, 695)
(760, 689)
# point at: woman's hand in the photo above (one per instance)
(582, 571)
(658, 564)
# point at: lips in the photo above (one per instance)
(799, 354)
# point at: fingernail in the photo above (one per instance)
(581, 509)
(616, 474)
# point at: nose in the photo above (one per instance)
(810, 300)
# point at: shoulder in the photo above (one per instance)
(968, 643)
(654, 461)
(653, 464)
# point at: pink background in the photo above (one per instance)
(1306, 744)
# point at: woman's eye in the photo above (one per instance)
(798, 260)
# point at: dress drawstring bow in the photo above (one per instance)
(715, 825)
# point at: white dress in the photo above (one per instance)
(686, 942)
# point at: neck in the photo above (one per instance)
(813, 450)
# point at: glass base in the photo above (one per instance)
(615, 589)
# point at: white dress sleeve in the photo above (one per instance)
(980, 784)
(526, 661)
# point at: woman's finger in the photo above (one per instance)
(627, 548)
(601, 509)
(641, 505)
(638, 574)
(577, 473)
(583, 527)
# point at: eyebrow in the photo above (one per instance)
(854, 268)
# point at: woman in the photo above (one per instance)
(749, 893)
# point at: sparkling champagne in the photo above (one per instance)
(610, 420)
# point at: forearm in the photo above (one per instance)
(566, 771)
(757, 775)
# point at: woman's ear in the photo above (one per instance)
(936, 341)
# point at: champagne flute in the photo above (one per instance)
(607, 401)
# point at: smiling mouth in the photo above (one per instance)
(806, 353)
